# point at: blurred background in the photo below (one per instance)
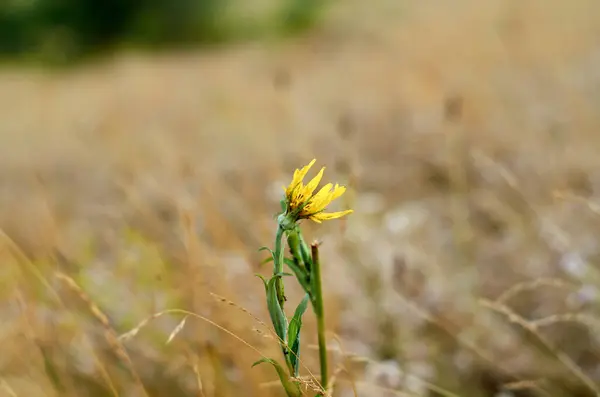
(144, 143)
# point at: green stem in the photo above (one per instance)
(278, 266)
(319, 312)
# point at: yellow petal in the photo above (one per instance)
(312, 185)
(298, 197)
(325, 216)
(302, 173)
(298, 177)
(303, 193)
(337, 192)
(320, 200)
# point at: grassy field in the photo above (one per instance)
(467, 132)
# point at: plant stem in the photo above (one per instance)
(278, 266)
(279, 289)
(319, 312)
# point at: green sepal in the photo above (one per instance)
(294, 334)
(291, 387)
(283, 205)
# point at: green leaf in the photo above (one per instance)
(294, 333)
(264, 248)
(275, 311)
(271, 258)
(282, 274)
(264, 280)
(292, 388)
(267, 260)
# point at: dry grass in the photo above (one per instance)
(467, 131)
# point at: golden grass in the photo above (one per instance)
(467, 131)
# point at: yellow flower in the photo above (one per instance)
(303, 204)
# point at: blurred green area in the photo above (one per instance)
(60, 31)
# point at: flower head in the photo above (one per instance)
(303, 203)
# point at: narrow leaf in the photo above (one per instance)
(294, 333)
(275, 311)
(265, 248)
(264, 280)
(270, 252)
(266, 260)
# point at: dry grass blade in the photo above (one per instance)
(6, 387)
(592, 206)
(146, 321)
(525, 385)
(177, 330)
(334, 378)
(94, 309)
(22, 259)
(532, 285)
(351, 379)
(580, 318)
(133, 332)
(401, 392)
(307, 383)
(199, 381)
(431, 386)
(564, 359)
(222, 299)
(20, 256)
(313, 382)
(109, 332)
